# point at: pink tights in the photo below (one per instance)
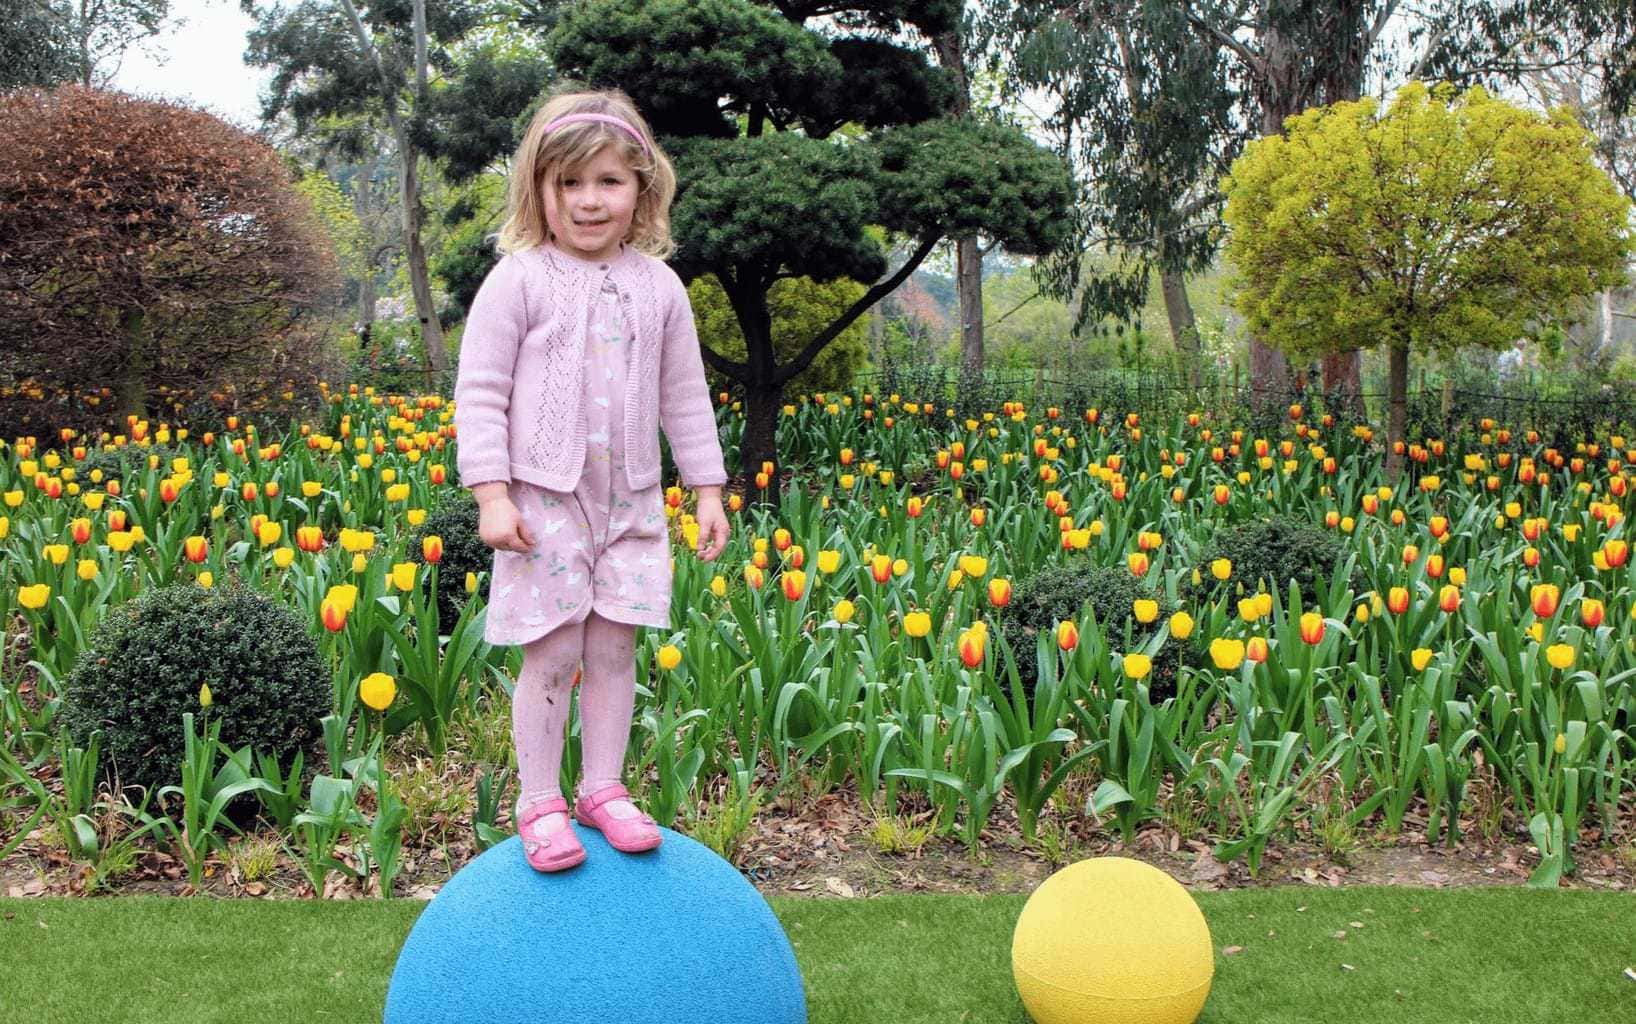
(607, 699)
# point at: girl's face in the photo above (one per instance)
(593, 213)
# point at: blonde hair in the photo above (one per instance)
(542, 159)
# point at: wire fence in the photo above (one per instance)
(1563, 411)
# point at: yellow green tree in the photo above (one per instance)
(1449, 219)
(800, 308)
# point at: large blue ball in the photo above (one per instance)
(674, 935)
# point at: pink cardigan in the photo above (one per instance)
(517, 410)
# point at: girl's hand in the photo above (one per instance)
(502, 528)
(712, 527)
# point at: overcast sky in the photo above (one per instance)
(200, 61)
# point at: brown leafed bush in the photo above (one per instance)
(156, 260)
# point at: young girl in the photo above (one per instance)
(579, 347)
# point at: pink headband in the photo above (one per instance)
(605, 119)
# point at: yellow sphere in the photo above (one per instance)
(1112, 940)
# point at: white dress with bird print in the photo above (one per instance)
(602, 545)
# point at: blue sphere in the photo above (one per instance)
(671, 936)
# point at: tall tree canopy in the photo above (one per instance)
(1445, 220)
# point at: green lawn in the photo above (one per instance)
(1489, 955)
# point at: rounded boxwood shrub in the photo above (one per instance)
(1268, 554)
(1056, 593)
(146, 661)
(455, 520)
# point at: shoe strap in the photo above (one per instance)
(602, 796)
(540, 808)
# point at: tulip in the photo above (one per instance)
(309, 539)
(1448, 599)
(917, 624)
(431, 549)
(80, 530)
(1591, 612)
(975, 566)
(829, 560)
(1420, 657)
(843, 611)
(1145, 610)
(754, 577)
(1312, 628)
(1256, 649)
(87, 569)
(378, 690)
(35, 596)
(1221, 568)
(1226, 653)
(999, 592)
(1434, 566)
(1137, 666)
(204, 695)
(1138, 563)
(669, 657)
(1616, 552)
(333, 614)
(1067, 635)
(471, 582)
(403, 575)
(971, 647)
(794, 583)
(1181, 625)
(880, 567)
(1561, 656)
(56, 554)
(1544, 597)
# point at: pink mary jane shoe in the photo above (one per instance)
(628, 835)
(549, 851)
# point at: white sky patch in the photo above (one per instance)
(199, 59)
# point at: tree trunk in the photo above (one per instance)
(1184, 330)
(420, 281)
(1398, 394)
(1343, 382)
(133, 382)
(968, 257)
(969, 271)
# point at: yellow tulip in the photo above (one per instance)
(121, 540)
(204, 695)
(378, 690)
(57, 554)
(1227, 654)
(829, 560)
(1221, 568)
(1137, 666)
(269, 532)
(1420, 657)
(403, 575)
(718, 585)
(669, 657)
(917, 623)
(843, 610)
(1561, 656)
(1145, 610)
(1181, 625)
(34, 597)
(282, 557)
(207, 579)
(87, 569)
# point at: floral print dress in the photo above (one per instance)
(602, 545)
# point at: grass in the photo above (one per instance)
(1500, 954)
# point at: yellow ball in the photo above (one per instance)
(1112, 940)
